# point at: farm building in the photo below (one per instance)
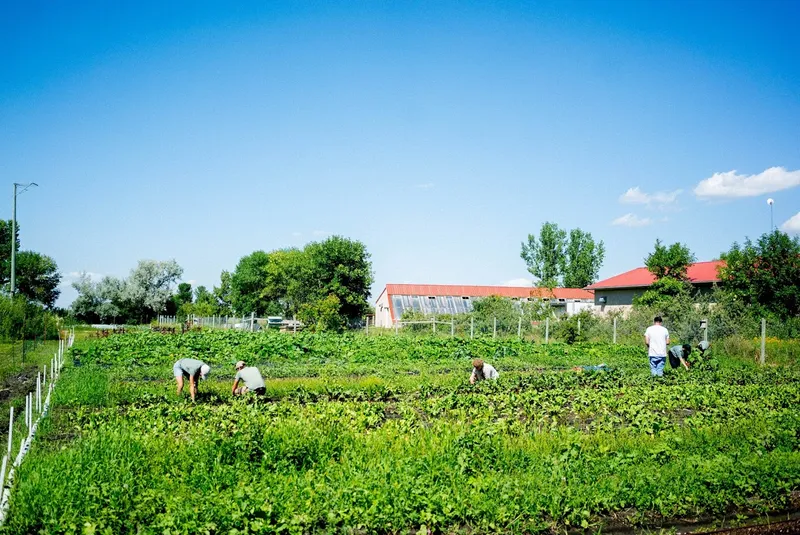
(457, 299)
(619, 291)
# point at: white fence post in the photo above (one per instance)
(519, 328)
(763, 341)
(471, 327)
(10, 428)
(615, 330)
(494, 329)
(547, 330)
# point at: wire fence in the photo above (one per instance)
(747, 338)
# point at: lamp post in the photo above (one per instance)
(770, 202)
(14, 231)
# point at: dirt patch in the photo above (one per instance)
(17, 385)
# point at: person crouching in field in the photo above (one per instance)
(481, 371)
(678, 355)
(193, 369)
(251, 377)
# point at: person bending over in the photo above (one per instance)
(251, 377)
(678, 355)
(193, 369)
(481, 371)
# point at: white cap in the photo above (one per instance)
(204, 369)
(239, 364)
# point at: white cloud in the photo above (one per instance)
(518, 282)
(427, 185)
(632, 220)
(731, 185)
(637, 196)
(68, 278)
(792, 225)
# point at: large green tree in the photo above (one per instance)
(545, 255)
(558, 258)
(5, 250)
(340, 267)
(669, 262)
(766, 274)
(247, 284)
(669, 265)
(583, 259)
(223, 294)
(287, 277)
(37, 278)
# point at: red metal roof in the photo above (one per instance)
(486, 291)
(699, 272)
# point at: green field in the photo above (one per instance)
(384, 435)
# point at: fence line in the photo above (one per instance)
(36, 402)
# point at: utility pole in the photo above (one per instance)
(14, 234)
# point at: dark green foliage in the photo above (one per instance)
(329, 277)
(37, 278)
(765, 275)
(669, 262)
(247, 283)
(556, 260)
(584, 258)
(5, 250)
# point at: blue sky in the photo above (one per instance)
(439, 134)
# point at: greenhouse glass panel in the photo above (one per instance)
(397, 302)
(415, 303)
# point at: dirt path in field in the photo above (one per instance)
(13, 390)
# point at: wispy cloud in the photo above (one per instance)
(731, 185)
(792, 225)
(319, 233)
(659, 198)
(427, 185)
(632, 220)
(68, 278)
(518, 282)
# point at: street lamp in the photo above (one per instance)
(14, 231)
(770, 202)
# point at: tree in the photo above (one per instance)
(545, 256)
(669, 265)
(584, 258)
(557, 261)
(340, 267)
(204, 303)
(765, 275)
(223, 294)
(323, 315)
(287, 279)
(184, 294)
(247, 284)
(149, 287)
(85, 306)
(5, 250)
(672, 262)
(37, 278)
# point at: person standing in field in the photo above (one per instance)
(679, 354)
(481, 371)
(193, 369)
(656, 338)
(251, 377)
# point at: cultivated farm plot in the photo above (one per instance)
(385, 435)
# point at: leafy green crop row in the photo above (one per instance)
(543, 449)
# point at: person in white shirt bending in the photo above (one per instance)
(656, 338)
(481, 371)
